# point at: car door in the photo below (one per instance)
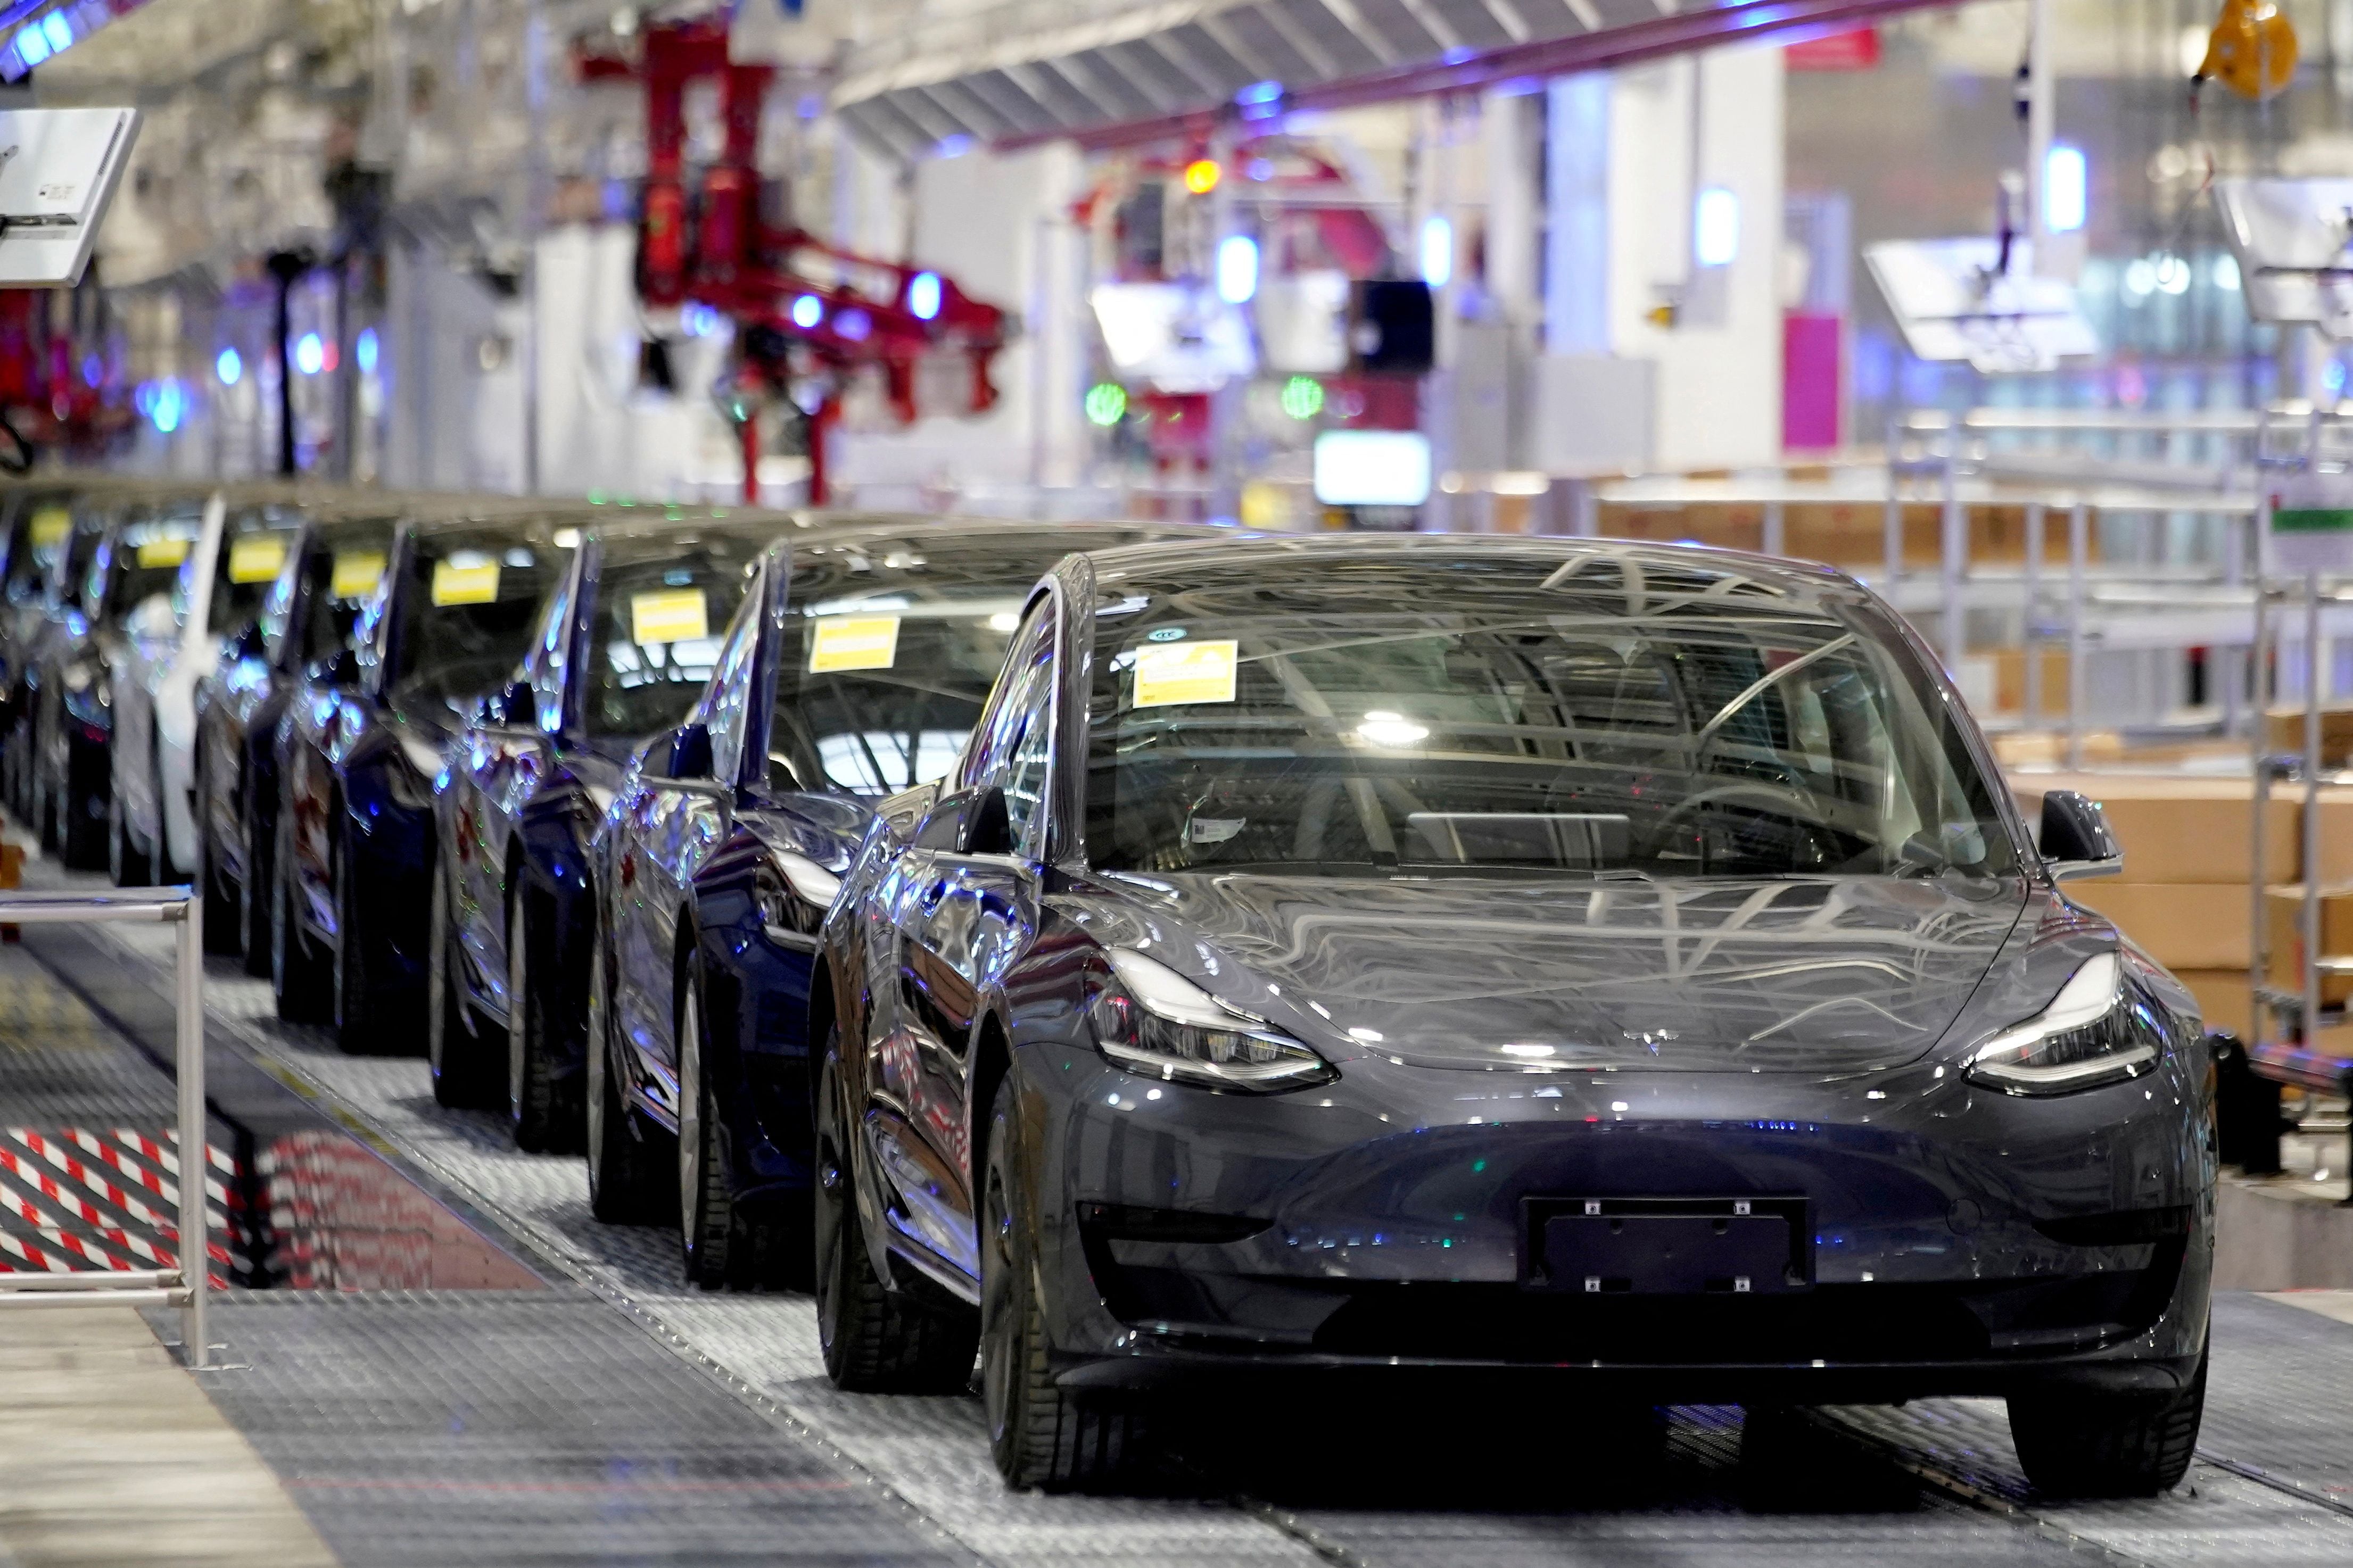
(508, 749)
(968, 906)
(673, 826)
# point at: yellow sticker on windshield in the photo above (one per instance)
(50, 525)
(164, 552)
(674, 615)
(256, 558)
(357, 572)
(468, 585)
(854, 642)
(1170, 673)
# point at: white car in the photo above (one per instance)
(172, 644)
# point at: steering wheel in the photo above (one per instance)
(1771, 800)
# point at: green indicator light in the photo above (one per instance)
(1106, 403)
(1302, 397)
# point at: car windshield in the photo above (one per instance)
(146, 559)
(48, 520)
(657, 630)
(342, 564)
(468, 609)
(893, 645)
(253, 546)
(1499, 714)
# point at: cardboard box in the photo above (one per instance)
(2283, 733)
(2223, 995)
(2179, 829)
(2284, 935)
(2183, 925)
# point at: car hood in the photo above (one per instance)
(1814, 974)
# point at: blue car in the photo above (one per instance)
(855, 669)
(309, 618)
(359, 750)
(627, 642)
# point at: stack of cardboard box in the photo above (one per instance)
(1851, 533)
(2189, 856)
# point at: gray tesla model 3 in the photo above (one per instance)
(1507, 957)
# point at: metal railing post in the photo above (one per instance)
(195, 1144)
(2079, 550)
(2031, 630)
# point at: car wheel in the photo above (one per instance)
(254, 894)
(1040, 1434)
(875, 1340)
(2084, 1445)
(460, 1062)
(297, 979)
(81, 823)
(126, 864)
(624, 1178)
(546, 1120)
(704, 1198)
(357, 1027)
(223, 918)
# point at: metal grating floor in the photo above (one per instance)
(1936, 1481)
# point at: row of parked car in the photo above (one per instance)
(1146, 956)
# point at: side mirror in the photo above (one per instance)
(969, 821)
(690, 753)
(2075, 841)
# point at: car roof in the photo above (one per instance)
(1598, 562)
(839, 530)
(626, 542)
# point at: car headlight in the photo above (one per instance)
(792, 910)
(1152, 1020)
(2097, 1030)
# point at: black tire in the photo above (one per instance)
(224, 918)
(81, 823)
(298, 981)
(875, 1340)
(1040, 1433)
(127, 865)
(544, 1110)
(254, 894)
(462, 1062)
(625, 1167)
(358, 1027)
(2084, 1445)
(723, 1241)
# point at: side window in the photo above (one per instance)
(1011, 745)
(728, 705)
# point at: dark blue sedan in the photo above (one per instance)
(630, 638)
(361, 748)
(855, 669)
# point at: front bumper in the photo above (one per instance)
(1961, 1241)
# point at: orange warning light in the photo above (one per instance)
(1201, 176)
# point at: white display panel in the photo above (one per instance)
(1372, 468)
(1954, 303)
(1178, 337)
(59, 168)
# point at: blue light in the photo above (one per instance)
(853, 324)
(310, 354)
(366, 349)
(1259, 92)
(58, 31)
(1458, 55)
(93, 370)
(170, 405)
(924, 296)
(32, 48)
(1237, 268)
(808, 312)
(229, 367)
(1716, 228)
(955, 146)
(2067, 197)
(1437, 252)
